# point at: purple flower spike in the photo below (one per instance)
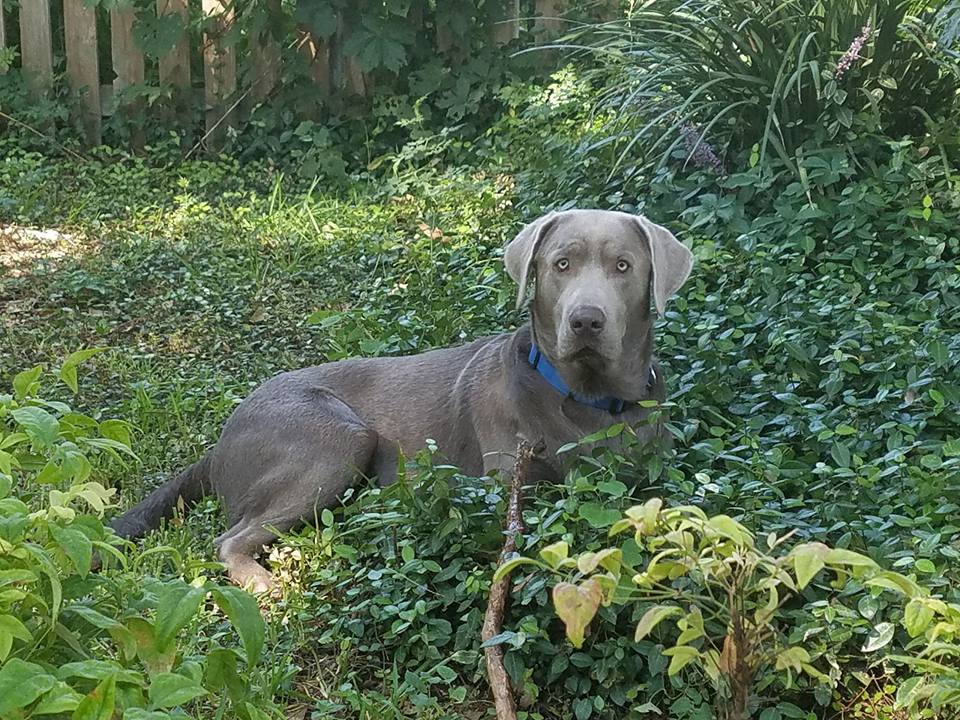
(702, 155)
(853, 52)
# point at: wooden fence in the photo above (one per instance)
(221, 97)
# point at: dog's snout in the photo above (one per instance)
(587, 320)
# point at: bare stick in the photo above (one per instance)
(500, 591)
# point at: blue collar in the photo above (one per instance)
(542, 365)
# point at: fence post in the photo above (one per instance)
(507, 27)
(83, 66)
(265, 54)
(549, 18)
(36, 45)
(219, 71)
(3, 34)
(175, 65)
(127, 60)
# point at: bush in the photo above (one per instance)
(76, 643)
(731, 75)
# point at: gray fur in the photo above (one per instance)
(303, 437)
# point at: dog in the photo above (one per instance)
(581, 364)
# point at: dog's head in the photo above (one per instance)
(594, 272)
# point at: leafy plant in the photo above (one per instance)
(74, 642)
(726, 592)
(701, 73)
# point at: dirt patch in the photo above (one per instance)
(21, 248)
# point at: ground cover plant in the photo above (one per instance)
(812, 360)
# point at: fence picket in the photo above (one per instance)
(36, 45)
(3, 34)
(175, 65)
(265, 54)
(83, 66)
(127, 60)
(219, 71)
(549, 18)
(507, 28)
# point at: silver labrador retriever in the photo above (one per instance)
(581, 364)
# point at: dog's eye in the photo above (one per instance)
(563, 264)
(623, 266)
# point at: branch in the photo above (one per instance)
(500, 591)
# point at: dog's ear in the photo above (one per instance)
(520, 252)
(670, 260)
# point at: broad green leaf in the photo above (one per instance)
(68, 371)
(116, 430)
(879, 637)
(221, 672)
(11, 629)
(653, 617)
(808, 561)
(23, 382)
(597, 515)
(691, 626)
(576, 605)
(100, 703)
(917, 616)
(75, 546)
(21, 683)
(177, 605)
(40, 425)
(729, 528)
(555, 554)
(847, 558)
(509, 566)
(608, 558)
(793, 658)
(896, 582)
(680, 656)
(242, 609)
(60, 699)
(169, 690)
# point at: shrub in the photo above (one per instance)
(691, 75)
(76, 642)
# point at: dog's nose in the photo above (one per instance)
(587, 320)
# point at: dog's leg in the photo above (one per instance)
(302, 464)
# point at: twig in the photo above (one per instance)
(500, 591)
(48, 138)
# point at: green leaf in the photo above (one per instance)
(729, 528)
(597, 515)
(808, 561)
(60, 699)
(75, 546)
(653, 617)
(509, 566)
(177, 605)
(576, 605)
(917, 616)
(555, 554)
(879, 637)
(169, 690)
(326, 517)
(11, 629)
(840, 557)
(40, 425)
(21, 683)
(100, 703)
(24, 382)
(116, 430)
(68, 371)
(242, 609)
(680, 656)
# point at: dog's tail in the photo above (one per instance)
(190, 485)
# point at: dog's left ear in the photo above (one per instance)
(520, 252)
(670, 259)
